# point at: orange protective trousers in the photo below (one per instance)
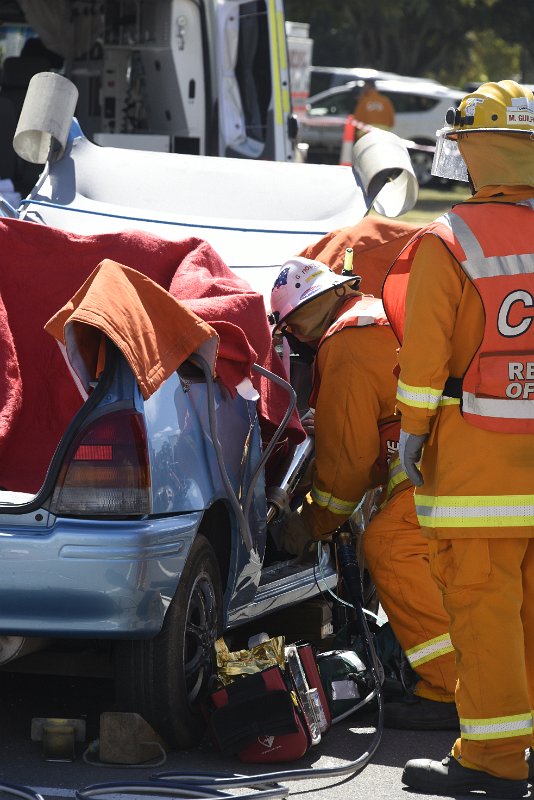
(488, 592)
(397, 557)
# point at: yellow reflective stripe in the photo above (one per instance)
(467, 511)
(283, 60)
(449, 401)
(396, 475)
(496, 727)
(331, 503)
(429, 650)
(418, 396)
(277, 89)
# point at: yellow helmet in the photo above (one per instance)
(505, 106)
(495, 109)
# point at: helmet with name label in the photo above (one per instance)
(506, 106)
(301, 280)
(496, 109)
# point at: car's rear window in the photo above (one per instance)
(338, 105)
(321, 81)
(408, 102)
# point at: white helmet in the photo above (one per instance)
(299, 281)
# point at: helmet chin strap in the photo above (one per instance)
(470, 182)
(305, 351)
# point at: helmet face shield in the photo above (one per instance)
(448, 161)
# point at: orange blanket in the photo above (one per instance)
(154, 332)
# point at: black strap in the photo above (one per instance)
(453, 388)
(302, 349)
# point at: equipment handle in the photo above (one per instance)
(349, 566)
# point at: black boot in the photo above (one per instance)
(450, 778)
(419, 714)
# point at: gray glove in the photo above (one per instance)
(410, 450)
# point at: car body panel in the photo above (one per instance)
(184, 469)
(284, 585)
(87, 578)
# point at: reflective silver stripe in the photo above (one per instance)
(477, 265)
(499, 265)
(496, 727)
(396, 469)
(333, 504)
(430, 650)
(475, 511)
(396, 475)
(373, 312)
(503, 265)
(468, 241)
(418, 396)
(490, 407)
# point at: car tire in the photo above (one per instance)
(166, 679)
(422, 167)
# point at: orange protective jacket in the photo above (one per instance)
(354, 396)
(375, 241)
(373, 108)
(477, 483)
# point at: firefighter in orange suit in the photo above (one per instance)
(466, 395)
(356, 432)
(373, 108)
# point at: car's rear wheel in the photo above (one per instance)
(165, 679)
(422, 166)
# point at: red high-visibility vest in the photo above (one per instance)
(494, 245)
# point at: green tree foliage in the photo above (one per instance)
(455, 41)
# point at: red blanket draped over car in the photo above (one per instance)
(43, 268)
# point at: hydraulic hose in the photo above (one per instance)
(178, 791)
(212, 417)
(276, 436)
(20, 791)
(351, 575)
(182, 785)
(242, 514)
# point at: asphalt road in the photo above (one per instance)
(24, 697)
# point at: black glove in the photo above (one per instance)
(294, 537)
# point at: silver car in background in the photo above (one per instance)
(420, 107)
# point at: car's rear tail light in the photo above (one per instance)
(106, 471)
